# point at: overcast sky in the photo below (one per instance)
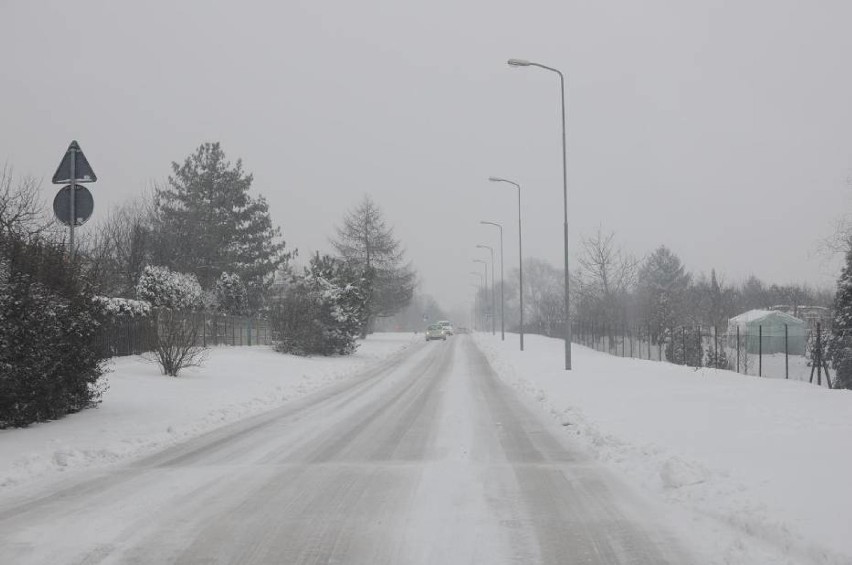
(722, 129)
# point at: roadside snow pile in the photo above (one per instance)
(144, 411)
(767, 459)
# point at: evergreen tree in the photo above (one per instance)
(209, 224)
(368, 244)
(840, 344)
(663, 283)
(322, 311)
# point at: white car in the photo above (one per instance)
(447, 326)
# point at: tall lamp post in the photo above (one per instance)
(485, 270)
(524, 63)
(493, 309)
(502, 283)
(520, 255)
(477, 302)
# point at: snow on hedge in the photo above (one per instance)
(122, 308)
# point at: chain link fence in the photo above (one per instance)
(772, 352)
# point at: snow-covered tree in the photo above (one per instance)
(164, 288)
(367, 244)
(840, 344)
(209, 224)
(322, 311)
(50, 358)
(230, 294)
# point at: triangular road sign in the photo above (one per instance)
(82, 170)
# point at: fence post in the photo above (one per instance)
(699, 347)
(760, 350)
(738, 348)
(786, 353)
(716, 346)
(819, 355)
(204, 329)
(249, 331)
(683, 342)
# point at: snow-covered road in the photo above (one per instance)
(428, 458)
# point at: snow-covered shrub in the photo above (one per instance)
(322, 312)
(677, 341)
(716, 358)
(164, 288)
(174, 344)
(230, 295)
(111, 308)
(50, 359)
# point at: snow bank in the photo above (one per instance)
(144, 411)
(767, 460)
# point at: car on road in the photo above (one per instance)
(447, 326)
(435, 331)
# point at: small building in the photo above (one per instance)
(769, 331)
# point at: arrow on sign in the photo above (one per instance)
(82, 170)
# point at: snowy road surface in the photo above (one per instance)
(428, 458)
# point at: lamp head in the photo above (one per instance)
(518, 63)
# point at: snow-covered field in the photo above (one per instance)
(761, 466)
(144, 411)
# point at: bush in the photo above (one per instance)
(323, 311)
(164, 288)
(175, 342)
(50, 362)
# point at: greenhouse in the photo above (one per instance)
(774, 331)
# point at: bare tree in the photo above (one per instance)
(22, 211)
(605, 278)
(175, 339)
(122, 246)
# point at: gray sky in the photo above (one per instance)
(722, 129)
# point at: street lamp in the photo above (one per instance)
(525, 63)
(477, 305)
(493, 309)
(502, 283)
(485, 269)
(520, 254)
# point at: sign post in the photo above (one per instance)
(74, 169)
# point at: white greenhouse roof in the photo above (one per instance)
(759, 315)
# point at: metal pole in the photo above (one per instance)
(520, 269)
(565, 223)
(738, 348)
(502, 289)
(493, 309)
(73, 151)
(760, 350)
(786, 354)
(502, 282)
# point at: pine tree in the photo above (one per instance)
(209, 224)
(663, 282)
(368, 244)
(840, 344)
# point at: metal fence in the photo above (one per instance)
(765, 353)
(136, 336)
